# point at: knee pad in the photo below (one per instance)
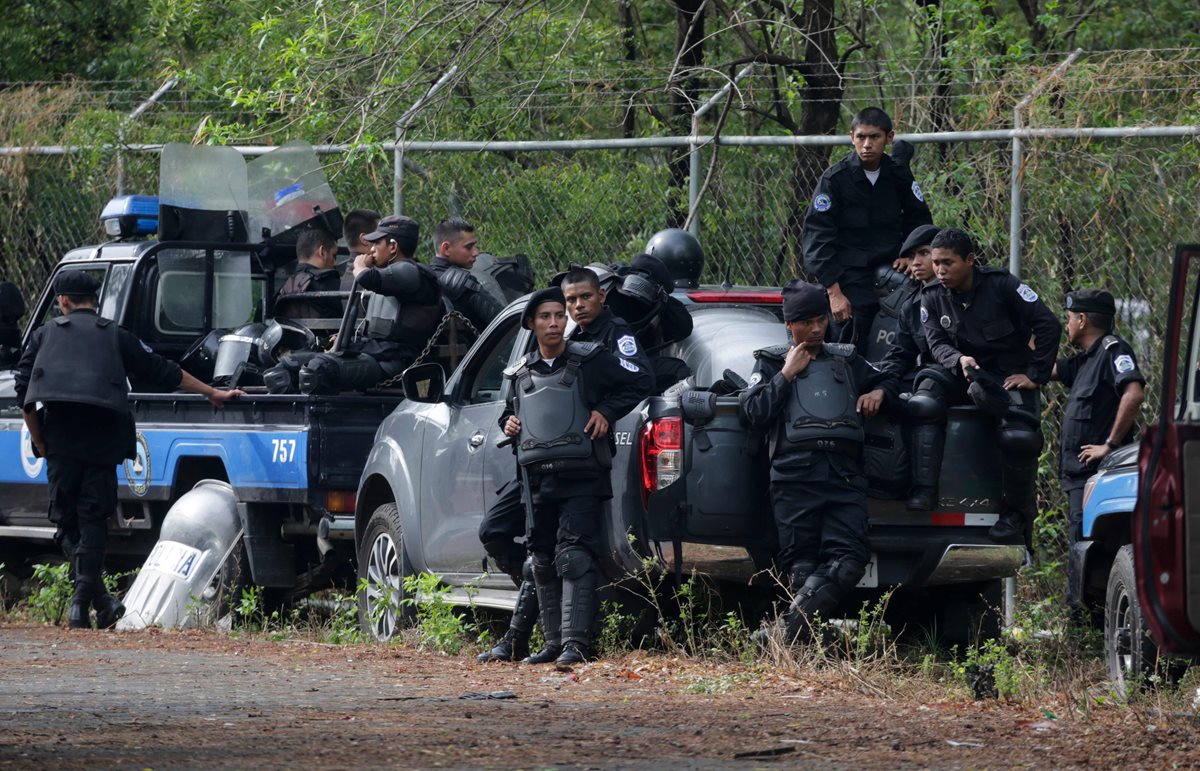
(574, 561)
(527, 569)
(923, 407)
(846, 573)
(542, 567)
(1019, 440)
(319, 376)
(283, 378)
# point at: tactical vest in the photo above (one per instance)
(79, 360)
(389, 319)
(823, 402)
(553, 415)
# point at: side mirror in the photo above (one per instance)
(424, 383)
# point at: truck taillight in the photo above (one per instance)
(662, 453)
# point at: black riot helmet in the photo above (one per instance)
(244, 353)
(681, 253)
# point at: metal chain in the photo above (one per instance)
(441, 327)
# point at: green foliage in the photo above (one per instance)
(52, 592)
(440, 626)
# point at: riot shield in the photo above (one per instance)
(202, 194)
(288, 190)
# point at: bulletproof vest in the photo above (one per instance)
(553, 415)
(823, 400)
(389, 319)
(79, 360)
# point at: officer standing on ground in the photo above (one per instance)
(77, 366)
(910, 350)
(563, 401)
(860, 212)
(585, 302)
(978, 322)
(355, 225)
(813, 397)
(403, 308)
(1107, 390)
(457, 247)
(316, 271)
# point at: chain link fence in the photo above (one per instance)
(1103, 213)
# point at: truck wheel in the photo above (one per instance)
(1129, 653)
(382, 567)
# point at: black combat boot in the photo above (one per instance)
(1020, 502)
(928, 442)
(549, 596)
(578, 613)
(514, 645)
(108, 611)
(79, 616)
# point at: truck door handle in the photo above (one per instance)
(476, 440)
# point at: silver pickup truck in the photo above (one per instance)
(689, 487)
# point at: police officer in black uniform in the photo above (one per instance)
(403, 307)
(860, 212)
(564, 399)
(1107, 390)
(594, 324)
(909, 351)
(316, 271)
(643, 299)
(813, 396)
(12, 308)
(77, 368)
(457, 248)
(978, 322)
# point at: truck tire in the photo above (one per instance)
(1129, 653)
(382, 567)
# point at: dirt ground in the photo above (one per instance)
(74, 699)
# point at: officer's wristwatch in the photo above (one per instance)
(1111, 444)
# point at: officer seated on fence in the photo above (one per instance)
(643, 298)
(978, 323)
(457, 247)
(316, 271)
(403, 307)
(812, 396)
(563, 400)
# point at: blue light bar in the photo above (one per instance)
(130, 215)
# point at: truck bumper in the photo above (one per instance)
(962, 562)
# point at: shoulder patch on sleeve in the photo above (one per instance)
(916, 191)
(756, 378)
(627, 345)
(1027, 294)
(823, 202)
(924, 315)
(1110, 340)
(1124, 363)
(146, 348)
(629, 365)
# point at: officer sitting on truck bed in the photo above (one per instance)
(316, 271)
(813, 396)
(978, 322)
(1107, 390)
(909, 351)
(457, 247)
(563, 400)
(403, 307)
(77, 367)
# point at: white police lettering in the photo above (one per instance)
(822, 202)
(1027, 294)
(756, 378)
(924, 315)
(1124, 363)
(916, 190)
(629, 365)
(627, 345)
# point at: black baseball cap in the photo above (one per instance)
(1091, 301)
(404, 230)
(75, 283)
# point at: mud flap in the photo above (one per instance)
(199, 534)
